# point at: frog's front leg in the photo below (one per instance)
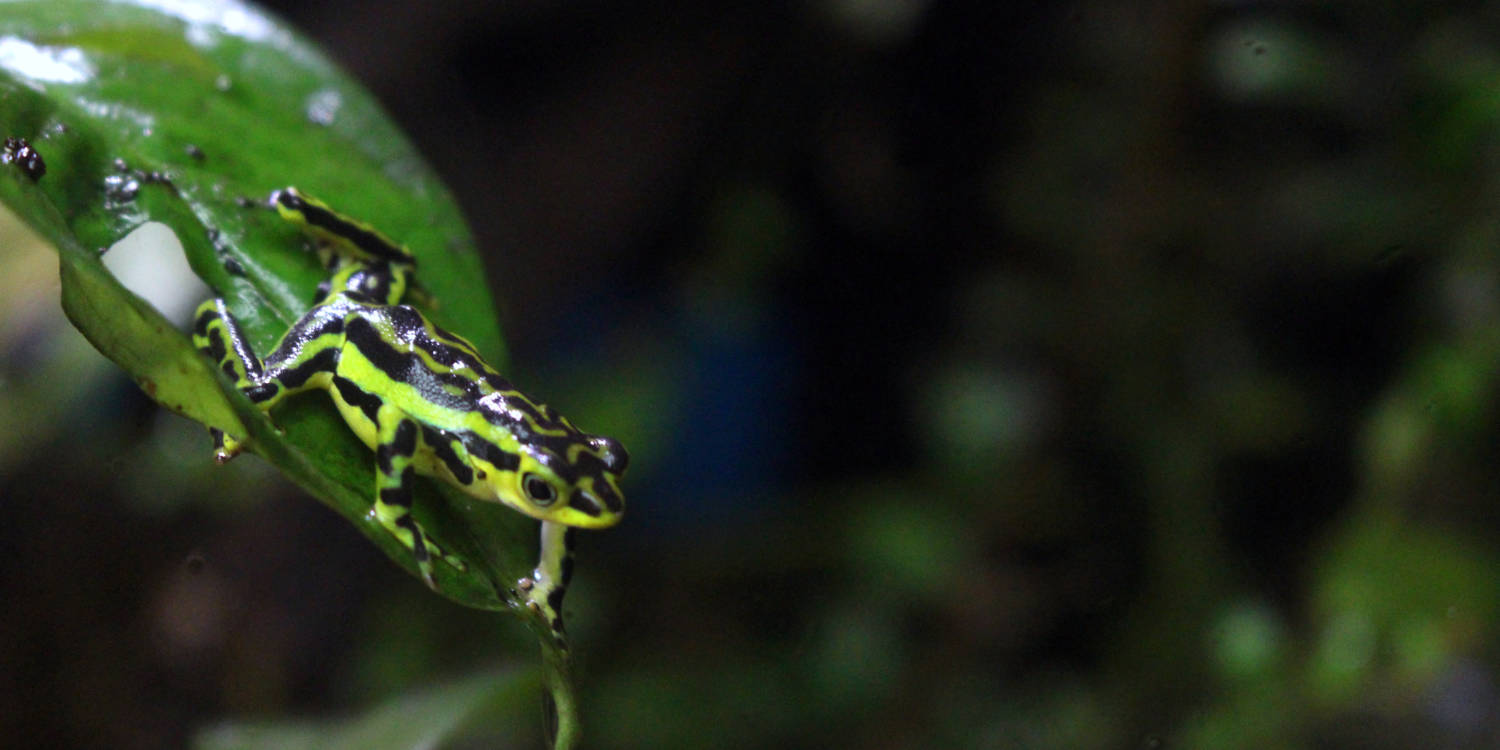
(548, 583)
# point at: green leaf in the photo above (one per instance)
(190, 113)
(426, 719)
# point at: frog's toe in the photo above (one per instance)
(432, 551)
(421, 552)
(425, 557)
(225, 447)
(457, 562)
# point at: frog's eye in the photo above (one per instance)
(541, 492)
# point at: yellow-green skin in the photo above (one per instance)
(424, 401)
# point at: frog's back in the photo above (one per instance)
(434, 377)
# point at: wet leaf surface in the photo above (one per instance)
(190, 114)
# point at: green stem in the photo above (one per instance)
(557, 679)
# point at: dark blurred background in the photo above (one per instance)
(1094, 374)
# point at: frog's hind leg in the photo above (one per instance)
(306, 358)
(216, 334)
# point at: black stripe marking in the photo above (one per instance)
(470, 388)
(367, 241)
(450, 357)
(376, 283)
(406, 438)
(554, 449)
(418, 549)
(324, 361)
(611, 452)
(517, 402)
(407, 322)
(611, 500)
(356, 397)
(204, 320)
(327, 324)
(443, 346)
(441, 444)
(362, 334)
(520, 428)
(403, 443)
(570, 539)
(216, 350)
(304, 332)
(398, 366)
(502, 459)
(397, 496)
(259, 393)
(585, 504)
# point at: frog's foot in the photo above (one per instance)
(423, 550)
(543, 600)
(434, 552)
(425, 566)
(225, 447)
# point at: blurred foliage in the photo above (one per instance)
(427, 719)
(1088, 375)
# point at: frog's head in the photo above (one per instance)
(571, 479)
(534, 460)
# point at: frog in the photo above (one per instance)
(423, 400)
